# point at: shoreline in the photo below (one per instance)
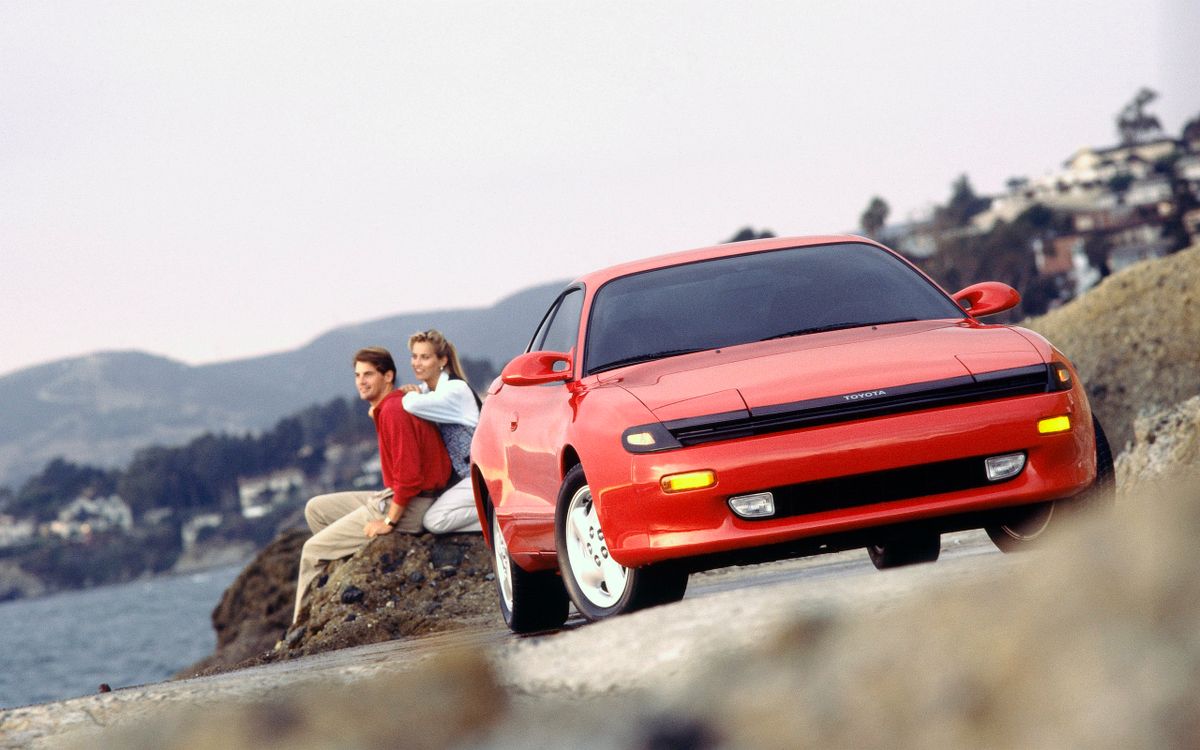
(220, 556)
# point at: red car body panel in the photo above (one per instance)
(529, 436)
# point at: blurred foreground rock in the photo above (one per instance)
(398, 585)
(1135, 339)
(443, 703)
(1097, 645)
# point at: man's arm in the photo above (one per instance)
(412, 459)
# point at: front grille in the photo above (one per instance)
(880, 487)
(895, 400)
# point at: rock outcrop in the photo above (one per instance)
(398, 585)
(1135, 339)
(1165, 442)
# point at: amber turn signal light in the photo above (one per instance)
(1054, 424)
(692, 480)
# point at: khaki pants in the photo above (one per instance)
(337, 521)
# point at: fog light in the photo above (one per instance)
(1004, 467)
(692, 480)
(758, 505)
(1054, 424)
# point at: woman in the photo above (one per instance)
(444, 397)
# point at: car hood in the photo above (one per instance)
(815, 366)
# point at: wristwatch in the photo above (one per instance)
(390, 522)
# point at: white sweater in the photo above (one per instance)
(450, 403)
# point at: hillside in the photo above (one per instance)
(100, 408)
(1135, 339)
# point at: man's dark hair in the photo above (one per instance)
(377, 357)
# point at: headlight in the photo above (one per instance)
(648, 438)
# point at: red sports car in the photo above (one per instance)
(762, 400)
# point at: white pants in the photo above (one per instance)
(454, 510)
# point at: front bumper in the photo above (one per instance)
(644, 525)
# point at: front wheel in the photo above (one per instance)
(529, 602)
(598, 585)
(1025, 526)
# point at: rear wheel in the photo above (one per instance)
(909, 549)
(598, 585)
(1025, 526)
(529, 602)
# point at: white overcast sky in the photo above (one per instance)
(212, 180)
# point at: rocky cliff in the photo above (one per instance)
(1135, 339)
(398, 585)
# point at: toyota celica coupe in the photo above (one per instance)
(763, 400)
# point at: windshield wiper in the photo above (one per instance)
(645, 358)
(833, 327)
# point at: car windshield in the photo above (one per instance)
(744, 298)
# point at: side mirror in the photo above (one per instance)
(987, 298)
(536, 368)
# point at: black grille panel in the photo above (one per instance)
(880, 487)
(961, 390)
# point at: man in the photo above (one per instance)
(412, 459)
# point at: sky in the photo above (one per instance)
(215, 180)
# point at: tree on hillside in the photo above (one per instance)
(1191, 131)
(1136, 125)
(874, 217)
(748, 233)
(160, 478)
(59, 483)
(1003, 254)
(963, 205)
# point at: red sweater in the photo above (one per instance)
(411, 454)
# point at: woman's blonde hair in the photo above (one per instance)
(441, 348)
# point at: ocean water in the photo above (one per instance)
(66, 645)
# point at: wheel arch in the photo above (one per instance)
(568, 458)
(482, 498)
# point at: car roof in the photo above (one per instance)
(595, 279)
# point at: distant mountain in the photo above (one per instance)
(100, 408)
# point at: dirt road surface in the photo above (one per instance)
(646, 654)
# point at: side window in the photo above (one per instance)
(563, 329)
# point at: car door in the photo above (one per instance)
(537, 418)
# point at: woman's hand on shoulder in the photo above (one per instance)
(410, 388)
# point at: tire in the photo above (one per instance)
(1025, 526)
(1028, 525)
(1102, 495)
(529, 602)
(910, 549)
(598, 585)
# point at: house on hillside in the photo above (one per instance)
(191, 531)
(1137, 160)
(87, 515)
(14, 532)
(1065, 259)
(262, 494)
